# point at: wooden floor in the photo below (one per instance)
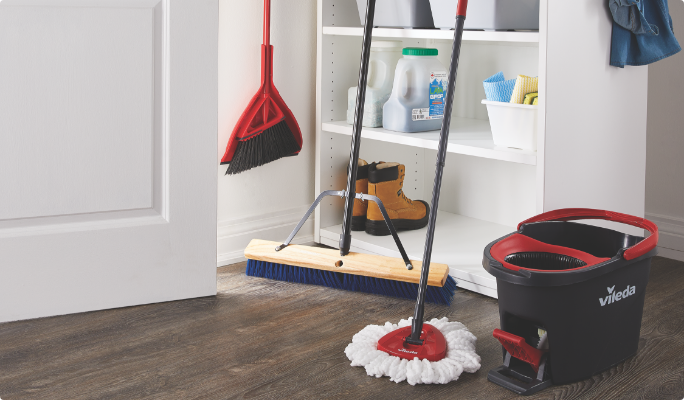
(265, 339)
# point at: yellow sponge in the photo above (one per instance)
(523, 85)
(531, 98)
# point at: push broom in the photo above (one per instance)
(348, 270)
(266, 130)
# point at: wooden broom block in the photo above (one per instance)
(354, 263)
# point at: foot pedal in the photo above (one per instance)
(524, 369)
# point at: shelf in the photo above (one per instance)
(459, 243)
(484, 36)
(471, 137)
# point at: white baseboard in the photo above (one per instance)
(671, 243)
(233, 235)
(237, 256)
(671, 254)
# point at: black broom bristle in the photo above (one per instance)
(274, 143)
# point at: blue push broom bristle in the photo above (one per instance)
(354, 283)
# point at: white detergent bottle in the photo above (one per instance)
(384, 56)
(418, 94)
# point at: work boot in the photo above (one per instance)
(386, 181)
(360, 206)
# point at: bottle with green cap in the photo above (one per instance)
(418, 93)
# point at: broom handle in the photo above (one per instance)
(417, 324)
(267, 22)
(266, 59)
(345, 237)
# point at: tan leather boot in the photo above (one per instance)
(360, 207)
(386, 181)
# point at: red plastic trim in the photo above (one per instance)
(519, 349)
(517, 243)
(461, 8)
(571, 214)
(432, 349)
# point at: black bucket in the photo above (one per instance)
(582, 285)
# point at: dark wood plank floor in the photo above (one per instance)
(265, 339)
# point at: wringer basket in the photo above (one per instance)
(571, 296)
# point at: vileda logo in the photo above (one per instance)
(408, 351)
(614, 296)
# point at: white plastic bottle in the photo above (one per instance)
(418, 93)
(384, 56)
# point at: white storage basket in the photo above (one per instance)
(513, 125)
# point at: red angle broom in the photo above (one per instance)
(266, 130)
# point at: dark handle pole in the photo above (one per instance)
(345, 237)
(417, 324)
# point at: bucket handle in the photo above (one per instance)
(571, 214)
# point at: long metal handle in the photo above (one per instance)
(417, 324)
(306, 216)
(267, 22)
(390, 226)
(360, 196)
(345, 237)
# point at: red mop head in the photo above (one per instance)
(447, 351)
(432, 349)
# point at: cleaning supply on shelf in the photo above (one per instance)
(344, 269)
(531, 98)
(418, 92)
(384, 56)
(523, 85)
(266, 130)
(439, 351)
(386, 181)
(512, 109)
(497, 88)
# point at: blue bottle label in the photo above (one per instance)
(438, 88)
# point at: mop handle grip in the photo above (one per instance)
(572, 214)
(461, 8)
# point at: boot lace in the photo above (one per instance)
(402, 191)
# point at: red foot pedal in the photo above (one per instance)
(519, 348)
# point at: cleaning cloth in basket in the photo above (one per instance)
(524, 85)
(497, 88)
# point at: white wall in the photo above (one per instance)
(265, 202)
(665, 144)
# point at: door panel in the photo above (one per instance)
(107, 149)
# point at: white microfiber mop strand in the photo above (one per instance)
(460, 356)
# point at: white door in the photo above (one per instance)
(108, 119)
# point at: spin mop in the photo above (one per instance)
(411, 350)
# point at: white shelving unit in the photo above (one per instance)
(471, 137)
(590, 151)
